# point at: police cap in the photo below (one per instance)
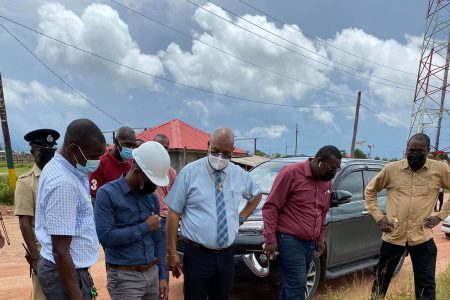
(42, 137)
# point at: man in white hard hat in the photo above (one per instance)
(128, 226)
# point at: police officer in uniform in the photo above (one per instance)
(43, 147)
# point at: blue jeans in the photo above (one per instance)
(295, 258)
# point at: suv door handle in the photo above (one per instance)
(365, 213)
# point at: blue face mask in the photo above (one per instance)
(126, 153)
(91, 164)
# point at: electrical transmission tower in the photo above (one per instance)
(429, 112)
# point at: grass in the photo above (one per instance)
(405, 291)
(6, 192)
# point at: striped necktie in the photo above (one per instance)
(222, 228)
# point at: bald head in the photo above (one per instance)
(162, 139)
(222, 140)
(83, 132)
(125, 137)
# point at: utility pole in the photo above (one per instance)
(286, 150)
(254, 145)
(296, 138)
(7, 139)
(355, 125)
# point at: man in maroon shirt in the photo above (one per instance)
(115, 162)
(163, 191)
(294, 215)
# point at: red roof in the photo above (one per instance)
(181, 135)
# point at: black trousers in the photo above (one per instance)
(207, 275)
(423, 257)
(440, 202)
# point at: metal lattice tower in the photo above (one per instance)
(429, 113)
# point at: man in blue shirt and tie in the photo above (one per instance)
(128, 226)
(207, 195)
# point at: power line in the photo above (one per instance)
(411, 88)
(170, 80)
(324, 42)
(60, 78)
(306, 49)
(383, 117)
(229, 53)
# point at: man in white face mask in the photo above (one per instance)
(206, 195)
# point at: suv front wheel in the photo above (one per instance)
(313, 277)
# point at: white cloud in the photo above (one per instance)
(199, 109)
(22, 94)
(206, 67)
(271, 132)
(99, 29)
(321, 115)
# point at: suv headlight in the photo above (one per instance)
(252, 227)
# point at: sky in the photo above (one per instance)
(215, 64)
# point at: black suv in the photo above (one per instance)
(352, 237)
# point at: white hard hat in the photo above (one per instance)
(154, 161)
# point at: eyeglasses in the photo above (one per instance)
(217, 154)
(334, 170)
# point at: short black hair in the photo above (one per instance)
(83, 131)
(421, 137)
(328, 151)
(161, 136)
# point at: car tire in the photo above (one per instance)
(313, 278)
(447, 235)
(400, 264)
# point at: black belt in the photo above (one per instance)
(200, 246)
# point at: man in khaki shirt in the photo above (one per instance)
(412, 188)
(43, 147)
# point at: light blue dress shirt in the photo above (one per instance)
(64, 208)
(193, 196)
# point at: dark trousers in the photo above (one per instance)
(207, 275)
(440, 202)
(295, 259)
(423, 257)
(51, 282)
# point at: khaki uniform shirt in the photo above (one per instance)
(25, 194)
(411, 197)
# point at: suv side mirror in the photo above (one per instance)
(340, 197)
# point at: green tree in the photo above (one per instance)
(260, 153)
(377, 158)
(277, 155)
(343, 153)
(359, 154)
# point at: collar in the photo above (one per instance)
(36, 170)
(61, 159)
(211, 170)
(124, 185)
(308, 172)
(404, 165)
(110, 156)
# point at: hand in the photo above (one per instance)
(163, 289)
(34, 265)
(430, 222)
(153, 222)
(174, 265)
(2, 240)
(320, 248)
(384, 225)
(271, 250)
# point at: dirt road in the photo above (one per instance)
(15, 283)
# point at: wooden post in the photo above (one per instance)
(7, 139)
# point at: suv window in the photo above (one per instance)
(353, 183)
(265, 174)
(370, 175)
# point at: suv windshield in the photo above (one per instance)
(265, 174)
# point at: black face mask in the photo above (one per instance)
(148, 188)
(416, 161)
(327, 177)
(43, 158)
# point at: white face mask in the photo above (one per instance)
(217, 163)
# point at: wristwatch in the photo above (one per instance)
(241, 220)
